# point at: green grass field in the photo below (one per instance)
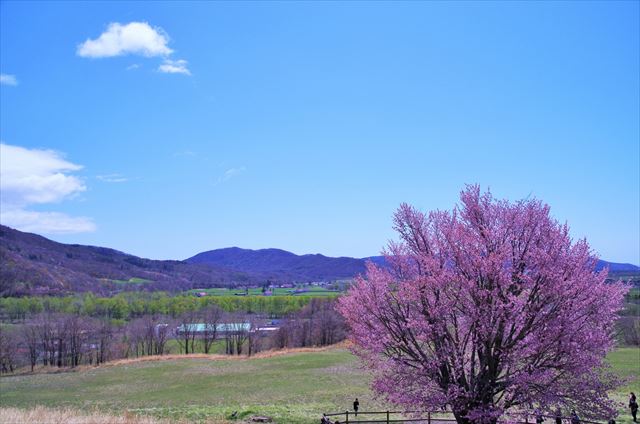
(293, 388)
(313, 291)
(134, 280)
(626, 363)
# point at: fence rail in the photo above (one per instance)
(432, 417)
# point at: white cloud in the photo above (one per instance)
(132, 67)
(32, 176)
(174, 67)
(46, 222)
(132, 38)
(6, 79)
(35, 176)
(230, 173)
(112, 178)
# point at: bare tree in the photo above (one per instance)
(628, 329)
(211, 318)
(236, 334)
(255, 337)
(76, 335)
(60, 341)
(134, 337)
(282, 337)
(162, 333)
(329, 325)
(104, 335)
(148, 335)
(31, 339)
(141, 335)
(187, 331)
(317, 324)
(45, 325)
(8, 351)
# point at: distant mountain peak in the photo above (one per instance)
(616, 267)
(280, 264)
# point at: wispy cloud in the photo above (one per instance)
(230, 173)
(188, 153)
(138, 38)
(33, 176)
(174, 67)
(6, 79)
(112, 178)
(132, 67)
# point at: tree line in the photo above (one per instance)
(131, 305)
(69, 339)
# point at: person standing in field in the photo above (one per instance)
(633, 405)
(356, 405)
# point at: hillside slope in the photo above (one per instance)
(31, 264)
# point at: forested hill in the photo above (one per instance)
(31, 264)
(278, 265)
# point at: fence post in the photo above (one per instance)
(429, 417)
(526, 418)
(347, 416)
(387, 417)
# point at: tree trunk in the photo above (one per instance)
(461, 418)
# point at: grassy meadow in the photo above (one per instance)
(293, 388)
(626, 363)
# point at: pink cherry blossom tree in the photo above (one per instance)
(487, 309)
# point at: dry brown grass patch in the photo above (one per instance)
(260, 355)
(172, 357)
(42, 415)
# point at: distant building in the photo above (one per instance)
(221, 329)
(266, 329)
(226, 328)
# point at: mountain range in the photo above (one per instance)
(280, 264)
(32, 264)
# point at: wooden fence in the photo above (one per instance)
(431, 417)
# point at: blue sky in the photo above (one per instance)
(303, 125)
